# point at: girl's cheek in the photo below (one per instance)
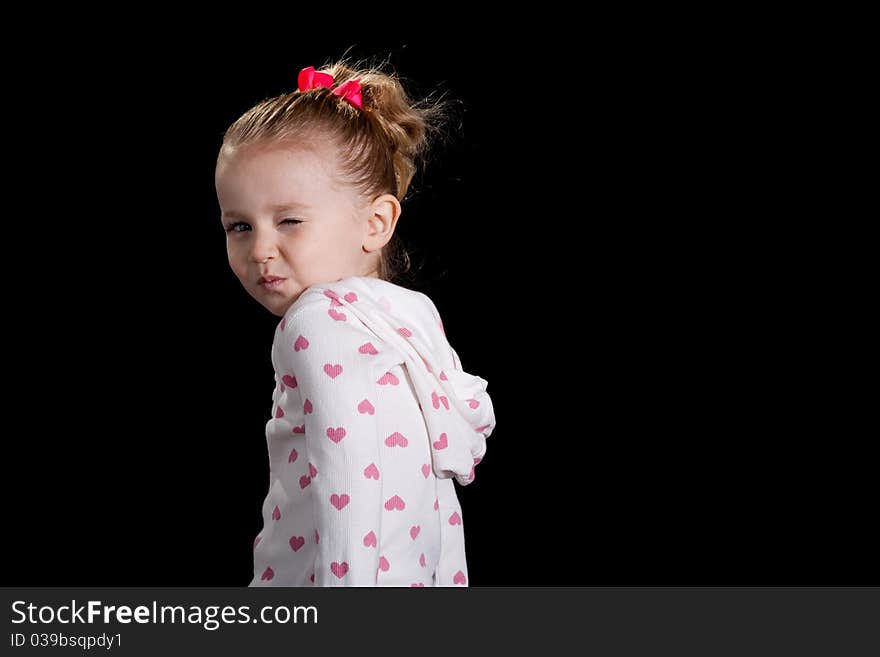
(237, 255)
(238, 263)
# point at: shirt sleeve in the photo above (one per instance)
(337, 384)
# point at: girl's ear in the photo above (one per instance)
(384, 213)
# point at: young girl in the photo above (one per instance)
(372, 414)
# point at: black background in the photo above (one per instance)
(655, 421)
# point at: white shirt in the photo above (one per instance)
(372, 419)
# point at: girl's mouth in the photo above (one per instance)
(272, 283)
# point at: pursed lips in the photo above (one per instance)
(269, 282)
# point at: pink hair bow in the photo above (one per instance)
(309, 78)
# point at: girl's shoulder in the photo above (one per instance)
(320, 312)
(315, 312)
(382, 295)
(305, 307)
(315, 331)
(358, 306)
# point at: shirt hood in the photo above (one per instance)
(457, 409)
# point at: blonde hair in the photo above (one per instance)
(380, 145)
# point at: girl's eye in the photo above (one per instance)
(240, 226)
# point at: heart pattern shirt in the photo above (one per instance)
(372, 420)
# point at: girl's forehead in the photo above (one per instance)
(292, 156)
(285, 166)
(302, 170)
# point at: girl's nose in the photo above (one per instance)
(263, 248)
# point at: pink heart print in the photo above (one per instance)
(290, 381)
(256, 541)
(307, 407)
(332, 370)
(443, 376)
(279, 412)
(335, 303)
(339, 569)
(422, 559)
(459, 578)
(336, 434)
(473, 403)
(301, 343)
(276, 514)
(414, 531)
(396, 439)
(368, 348)
(331, 294)
(268, 574)
(405, 332)
(296, 542)
(426, 470)
(442, 443)
(395, 502)
(455, 519)
(366, 407)
(293, 455)
(300, 429)
(387, 378)
(383, 564)
(313, 471)
(370, 540)
(304, 481)
(351, 297)
(371, 472)
(339, 501)
(335, 314)
(283, 322)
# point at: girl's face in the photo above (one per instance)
(287, 216)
